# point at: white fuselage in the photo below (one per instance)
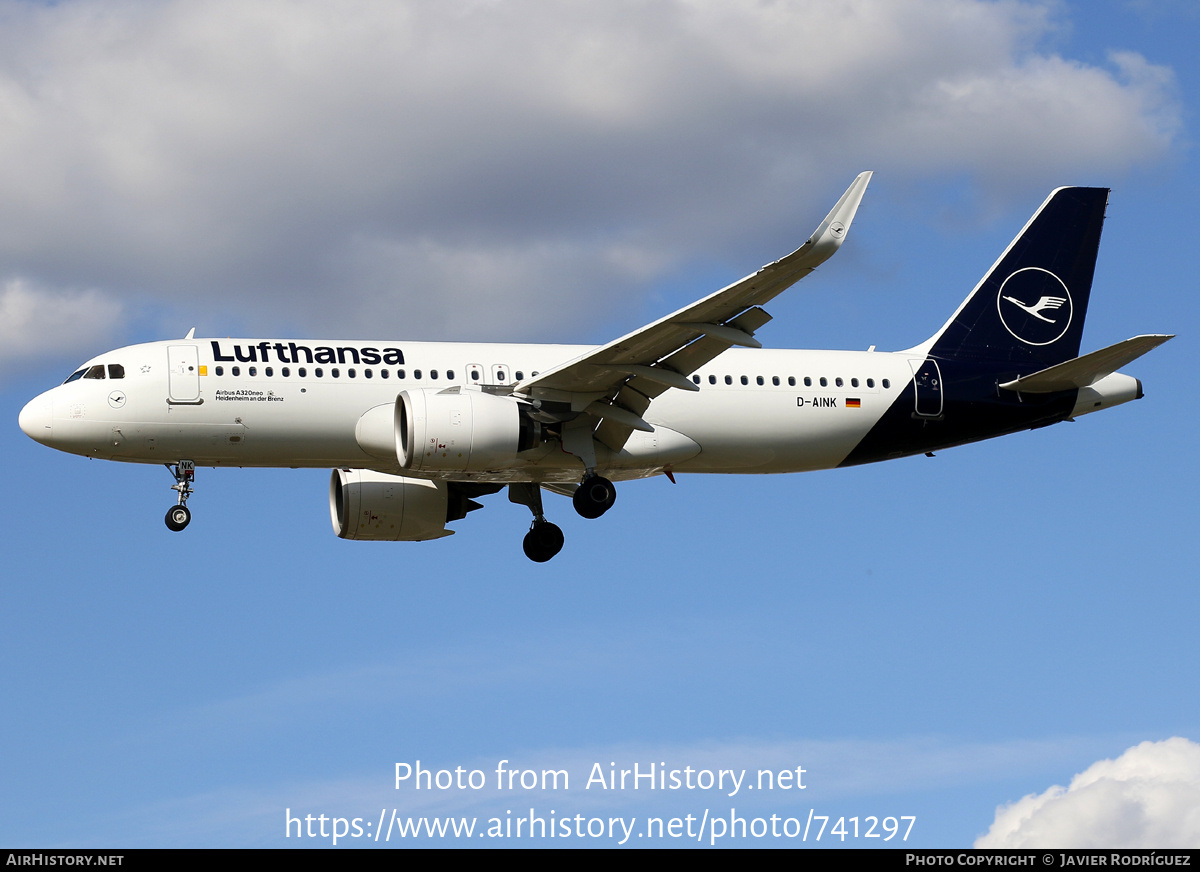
(264, 403)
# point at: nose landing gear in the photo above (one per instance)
(179, 516)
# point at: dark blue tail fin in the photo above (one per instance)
(1027, 313)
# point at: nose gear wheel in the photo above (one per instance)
(179, 516)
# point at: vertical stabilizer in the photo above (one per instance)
(1027, 313)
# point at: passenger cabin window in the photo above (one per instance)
(886, 383)
(237, 370)
(220, 370)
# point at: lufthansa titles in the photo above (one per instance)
(291, 352)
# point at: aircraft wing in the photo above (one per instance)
(616, 382)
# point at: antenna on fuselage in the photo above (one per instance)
(191, 334)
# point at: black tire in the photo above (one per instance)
(178, 517)
(543, 541)
(594, 496)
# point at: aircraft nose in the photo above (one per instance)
(37, 419)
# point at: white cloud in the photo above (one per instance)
(1149, 797)
(490, 169)
(35, 322)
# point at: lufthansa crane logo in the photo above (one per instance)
(1035, 306)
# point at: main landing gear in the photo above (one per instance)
(544, 539)
(594, 496)
(179, 516)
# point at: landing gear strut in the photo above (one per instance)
(179, 516)
(594, 496)
(544, 539)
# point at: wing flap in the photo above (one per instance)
(612, 431)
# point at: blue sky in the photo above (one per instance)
(930, 637)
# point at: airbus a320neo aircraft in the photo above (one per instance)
(416, 431)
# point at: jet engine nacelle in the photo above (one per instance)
(372, 506)
(461, 431)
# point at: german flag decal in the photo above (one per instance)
(853, 403)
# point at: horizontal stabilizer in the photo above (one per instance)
(1081, 372)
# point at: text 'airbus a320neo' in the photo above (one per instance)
(415, 432)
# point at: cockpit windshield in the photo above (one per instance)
(115, 370)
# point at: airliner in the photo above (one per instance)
(416, 432)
